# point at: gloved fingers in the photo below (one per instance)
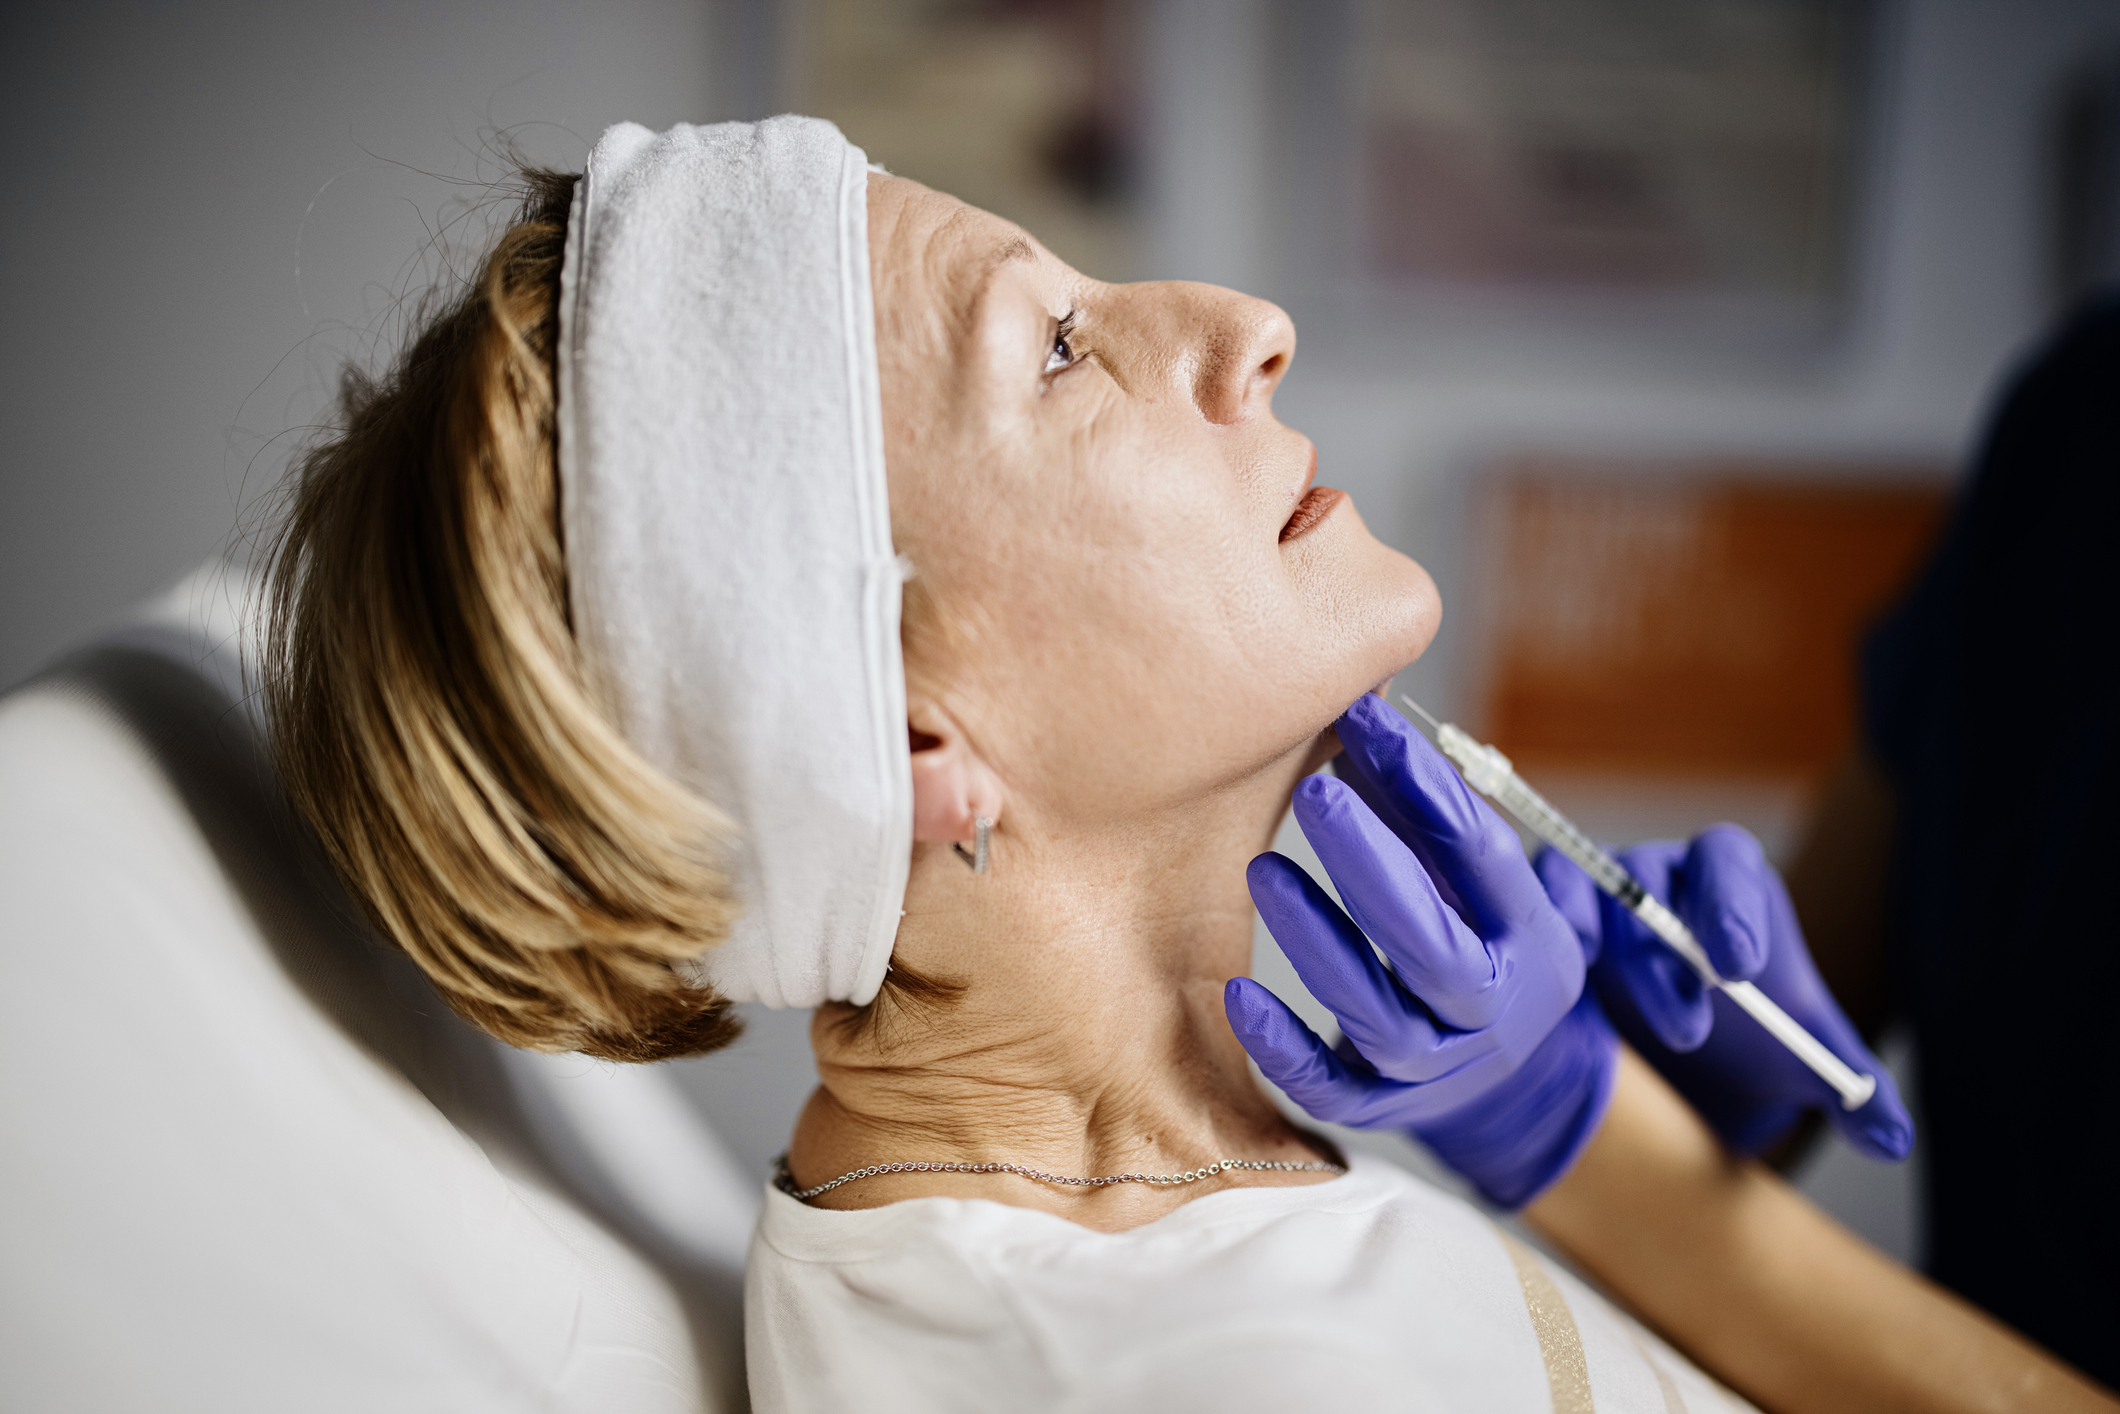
(1666, 991)
(1575, 897)
(1290, 1053)
(1881, 1126)
(1386, 809)
(1340, 968)
(1720, 891)
(1653, 862)
(1391, 896)
(1773, 1087)
(1881, 1129)
(1476, 858)
(1351, 1054)
(1423, 1055)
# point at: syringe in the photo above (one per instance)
(1487, 771)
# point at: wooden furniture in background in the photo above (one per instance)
(1688, 620)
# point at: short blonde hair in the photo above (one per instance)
(428, 708)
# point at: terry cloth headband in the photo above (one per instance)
(728, 535)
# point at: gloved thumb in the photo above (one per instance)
(1666, 994)
(1881, 1129)
(1721, 892)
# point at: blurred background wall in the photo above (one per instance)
(1543, 239)
(1657, 329)
(213, 205)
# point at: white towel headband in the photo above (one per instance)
(728, 530)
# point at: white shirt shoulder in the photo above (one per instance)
(1372, 1291)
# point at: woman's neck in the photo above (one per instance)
(1089, 1036)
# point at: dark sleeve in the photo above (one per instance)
(1989, 699)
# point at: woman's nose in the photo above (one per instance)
(1245, 351)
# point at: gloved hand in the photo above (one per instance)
(1742, 1081)
(1479, 1037)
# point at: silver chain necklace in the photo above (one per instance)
(785, 1181)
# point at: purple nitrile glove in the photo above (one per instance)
(1743, 1082)
(1478, 1037)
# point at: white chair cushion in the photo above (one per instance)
(251, 1162)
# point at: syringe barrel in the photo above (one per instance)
(1490, 773)
(1606, 872)
(1672, 929)
(1539, 817)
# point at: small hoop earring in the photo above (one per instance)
(976, 856)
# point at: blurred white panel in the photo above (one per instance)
(751, 1093)
(642, 1143)
(223, 1187)
(228, 200)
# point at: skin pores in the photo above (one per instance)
(1132, 667)
(1099, 524)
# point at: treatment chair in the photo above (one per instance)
(252, 1162)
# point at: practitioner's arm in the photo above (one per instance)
(1768, 1292)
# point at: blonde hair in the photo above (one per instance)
(428, 707)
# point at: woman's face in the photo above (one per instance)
(1137, 592)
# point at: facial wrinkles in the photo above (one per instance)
(980, 363)
(1180, 536)
(1066, 469)
(1117, 522)
(1027, 426)
(1015, 250)
(1153, 426)
(1240, 454)
(927, 253)
(998, 374)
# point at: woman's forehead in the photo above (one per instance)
(929, 247)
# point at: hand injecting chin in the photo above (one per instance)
(1478, 1036)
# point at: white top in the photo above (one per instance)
(1372, 1291)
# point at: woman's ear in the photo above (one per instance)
(952, 786)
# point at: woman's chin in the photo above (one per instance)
(1396, 612)
(1382, 604)
(1381, 611)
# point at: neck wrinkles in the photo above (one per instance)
(1090, 1036)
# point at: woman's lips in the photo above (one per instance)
(1317, 503)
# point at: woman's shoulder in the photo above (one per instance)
(977, 1299)
(1376, 1284)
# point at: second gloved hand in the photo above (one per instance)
(1477, 1036)
(1743, 1082)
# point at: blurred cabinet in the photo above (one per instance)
(1026, 108)
(1681, 621)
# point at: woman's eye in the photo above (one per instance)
(1062, 353)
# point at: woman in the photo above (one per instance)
(591, 674)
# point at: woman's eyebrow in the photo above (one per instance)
(1013, 251)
